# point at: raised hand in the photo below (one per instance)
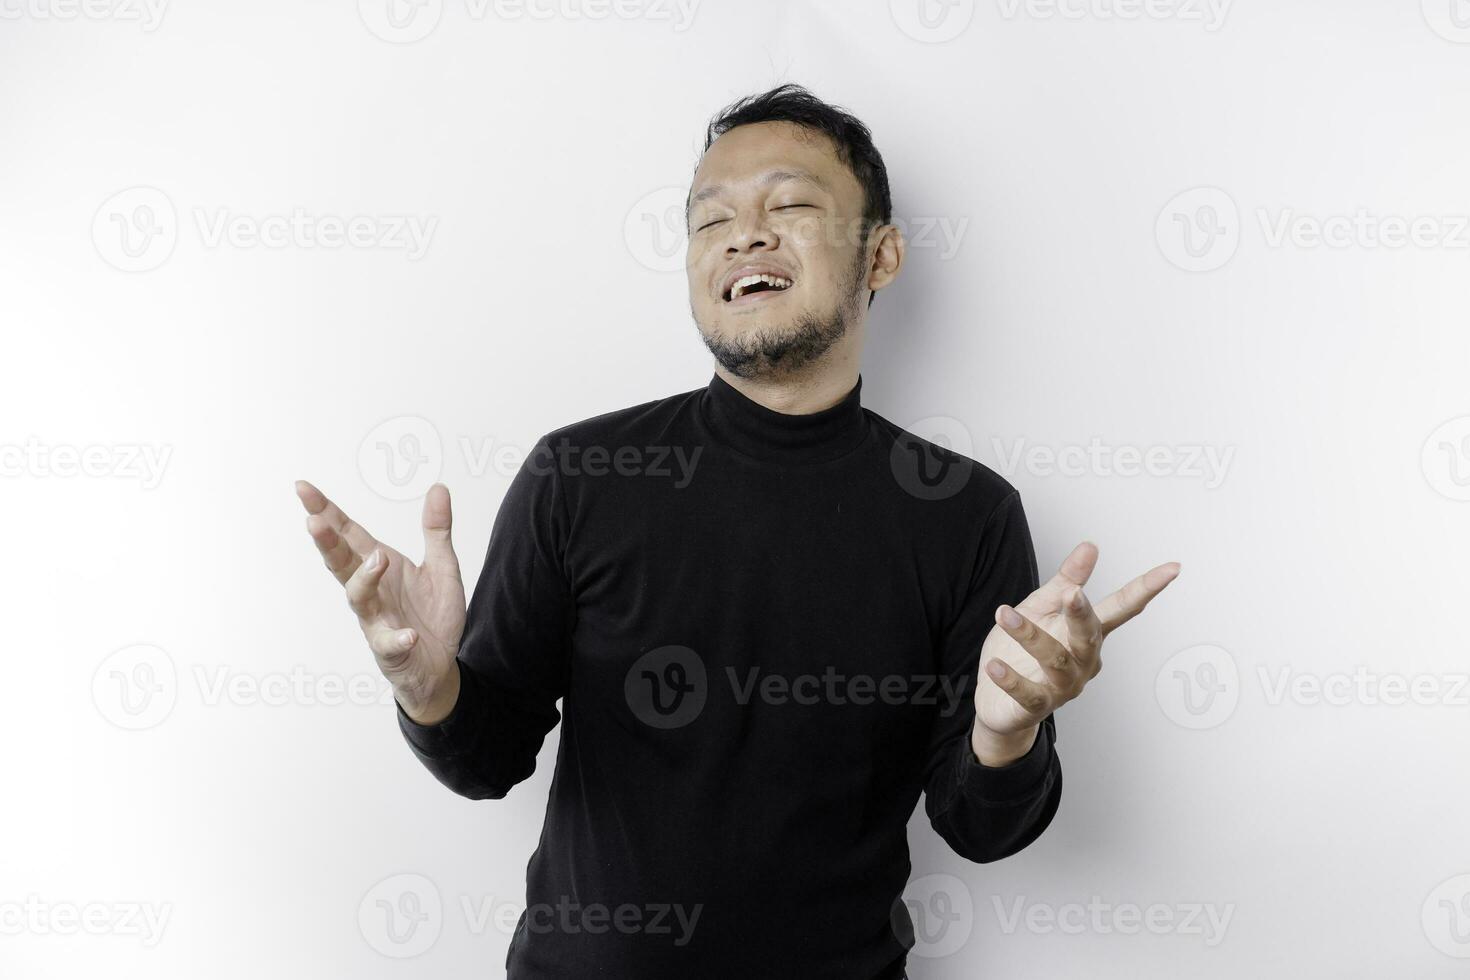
(1043, 651)
(412, 615)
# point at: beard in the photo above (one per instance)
(784, 350)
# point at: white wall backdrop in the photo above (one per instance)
(1193, 274)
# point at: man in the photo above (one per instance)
(773, 617)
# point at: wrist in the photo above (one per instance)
(431, 704)
(995, 750)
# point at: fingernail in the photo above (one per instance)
(1077, 600)
(372, 560)
(1011, 618)
(405, 639)
(995, 669)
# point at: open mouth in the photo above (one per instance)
(748, 289)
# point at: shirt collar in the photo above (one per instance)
(764, 433)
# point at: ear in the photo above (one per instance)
(887, 257)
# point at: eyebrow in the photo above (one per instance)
(764, 180)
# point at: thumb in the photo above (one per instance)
(437, 522)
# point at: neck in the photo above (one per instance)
(815, 387)
(791, 429)
(799, 395)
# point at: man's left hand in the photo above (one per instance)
(1043, 651)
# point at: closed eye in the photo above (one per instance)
(782, 207)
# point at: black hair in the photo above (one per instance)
(851, 138)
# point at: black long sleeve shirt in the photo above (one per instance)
(764, 630)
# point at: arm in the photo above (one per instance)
(1039, 654)
(513, 659)
(988, 812)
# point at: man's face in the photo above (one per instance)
(773, 198)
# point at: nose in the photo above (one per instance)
(751, 232)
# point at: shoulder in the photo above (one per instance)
(628, 426)
(936, 464)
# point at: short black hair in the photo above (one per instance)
(854, 142)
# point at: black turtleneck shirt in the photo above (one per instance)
(764, 631)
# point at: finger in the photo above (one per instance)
(390, 645)
(317, 505)
(1030, 695)
(1075, 570)
(1084, 629)
(362, 586)
(340, 559)
(1131, 599)
(438, 521)
(1049, 652)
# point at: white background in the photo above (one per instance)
(542, 153)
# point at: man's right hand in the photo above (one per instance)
(412, 615)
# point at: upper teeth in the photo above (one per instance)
(745, 282)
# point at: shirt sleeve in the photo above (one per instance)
(513, 657)
(987, 813)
